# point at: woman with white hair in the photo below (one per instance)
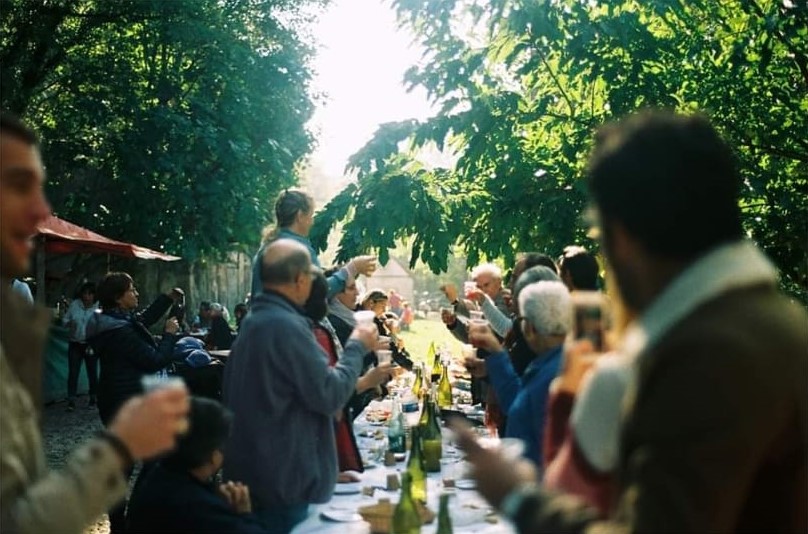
(545, 310)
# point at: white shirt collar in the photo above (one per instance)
(727, 267)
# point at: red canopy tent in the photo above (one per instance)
(57, 236)
(62, 237)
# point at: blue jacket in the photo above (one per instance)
(336, 282)
(172, 501)
(284, 395)
(524, 399)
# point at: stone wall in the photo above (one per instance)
(226, 282)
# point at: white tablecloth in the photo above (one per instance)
(467, 509)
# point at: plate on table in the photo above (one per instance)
(351, 488)
(341, 516)
(466, 484)
(471, 417)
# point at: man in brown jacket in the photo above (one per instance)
(714, 435)
(33, 499)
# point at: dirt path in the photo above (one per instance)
(64, 431)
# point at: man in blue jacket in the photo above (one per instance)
(284, 395)
(546, 309)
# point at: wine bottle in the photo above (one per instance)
(445, 389)
(427, 378)
(400, 354)
(396, 433)
(424, 408)
(444, 519)
(434, 356)
(405, 517)
(416, 468)
(431, 434)
(418, 383)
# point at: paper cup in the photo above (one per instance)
(155, 382)
(384, 356)
(364, 317)
(468, 351)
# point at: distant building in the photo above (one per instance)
(393, 276)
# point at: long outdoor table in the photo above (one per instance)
(469, 511)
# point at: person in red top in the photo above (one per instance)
(407, 316)
(316, 309)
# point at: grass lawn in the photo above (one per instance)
(424, 331)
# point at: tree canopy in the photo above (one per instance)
(521, 86)
(172, 124)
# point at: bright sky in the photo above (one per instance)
(360, 67)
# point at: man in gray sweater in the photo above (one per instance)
(284, 395)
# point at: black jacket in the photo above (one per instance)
(127, 352)
(168, 500)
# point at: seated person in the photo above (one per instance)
(220, 335)
(178, 495)
(547, 311)
(202, 320)
(375, 300)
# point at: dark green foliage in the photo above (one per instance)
(523, 84)
(168, 123)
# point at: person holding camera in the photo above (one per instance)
(126, 349)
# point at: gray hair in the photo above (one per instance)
(539, 273)
(548, 307)
(486, 268)
(216, 307)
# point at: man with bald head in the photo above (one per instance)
(284, 395)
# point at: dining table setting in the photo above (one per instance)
(365, 504)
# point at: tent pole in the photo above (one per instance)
(40, 271)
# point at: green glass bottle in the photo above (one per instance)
(418, 383)
(415, 467)
(444, 519)
(431, 434)
(445, 389)
(405, 517)
(424, 410)
(435, 356)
